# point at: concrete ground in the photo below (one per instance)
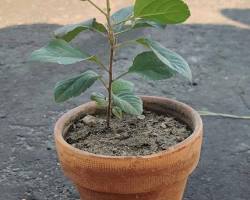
(215, 41)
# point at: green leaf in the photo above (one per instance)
(123, 97)
(128, 103)
(125, 13)
(169, 58)
(74, 86)
(149, 66)
(100, 99)
(122, 86)
(59, 51)
(117, 112)
(69, 32)
(162, 11)
(120, 16)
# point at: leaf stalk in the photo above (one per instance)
(97, 7)
(104, 83)
(125, 43)
(121, 75)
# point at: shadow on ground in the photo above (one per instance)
(239, 15)
(219, 58)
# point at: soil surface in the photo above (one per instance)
(130, 136)
(218, 54)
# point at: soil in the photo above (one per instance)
(131, 136)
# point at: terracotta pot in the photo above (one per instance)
(160, 176)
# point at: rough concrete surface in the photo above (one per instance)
(218, 54)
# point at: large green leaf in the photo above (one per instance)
(163, 11)
(168, 57)
(69, 32)
(121, 86)
(100, 99)
(59, 51)
(149, 66)
(74, 86)
(123, 97)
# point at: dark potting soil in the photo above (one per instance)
(130, 136)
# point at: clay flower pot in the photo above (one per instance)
(160, 176)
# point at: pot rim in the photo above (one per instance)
(60, 126)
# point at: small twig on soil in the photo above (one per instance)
(208, 113)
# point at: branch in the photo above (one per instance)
(102, 66)
(104, 83)
(121, 75)
(97, 7)
(125, 43)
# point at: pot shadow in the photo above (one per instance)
(219, 58)
(239, 15)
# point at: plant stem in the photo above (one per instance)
(110, 87)
(112, 42)
(97, 7)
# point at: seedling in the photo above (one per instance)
(157, 63)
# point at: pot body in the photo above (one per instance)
(160, 176)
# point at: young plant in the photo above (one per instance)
(157, 63)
